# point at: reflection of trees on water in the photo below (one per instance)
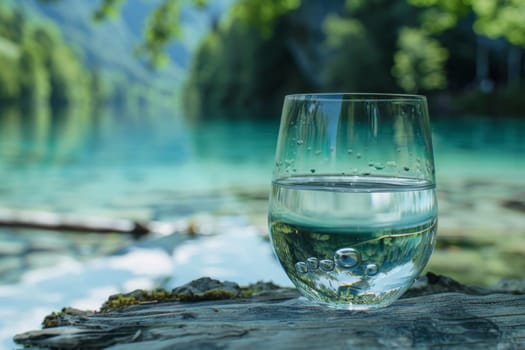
(31, 136)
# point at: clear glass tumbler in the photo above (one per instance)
(353, 210)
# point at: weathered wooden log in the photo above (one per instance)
(69, 222)
(436, 313)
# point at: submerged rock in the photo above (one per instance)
(514, 204)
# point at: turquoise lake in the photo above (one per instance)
(216, 175)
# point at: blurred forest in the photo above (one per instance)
(57, 55)
(467, 56)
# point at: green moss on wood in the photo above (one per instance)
(198, 290)
(136, 297)
(56, 319)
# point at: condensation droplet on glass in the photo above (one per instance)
(326, 265)
(301, 267)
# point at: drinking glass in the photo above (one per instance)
(353, 210)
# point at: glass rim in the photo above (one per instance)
(355, 97)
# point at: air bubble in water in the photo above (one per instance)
(313, 263)
(326, 265)
(371, 269)
(312, 171)
(317, 153)
(300, 142)
(379, 166)
(391, 164)
(349, 151)
(347, 257)
(358, 156)
(301, 267)
(406, 168)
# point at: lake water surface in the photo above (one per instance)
(215, 175)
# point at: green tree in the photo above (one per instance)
(363, 41)
(228, 78)
(38, 68)
(493, 18)
(356, 62)
(419, 64)
(247, 61)
(164, 25)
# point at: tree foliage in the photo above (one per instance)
(262, 14)
(37, 66)
(419, 63)
(356, 61)
(228, 78)
(493, 18)
(164, 23)
(40, 68)
(254, 52)
(362, 49)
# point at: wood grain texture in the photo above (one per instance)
(436, 313)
